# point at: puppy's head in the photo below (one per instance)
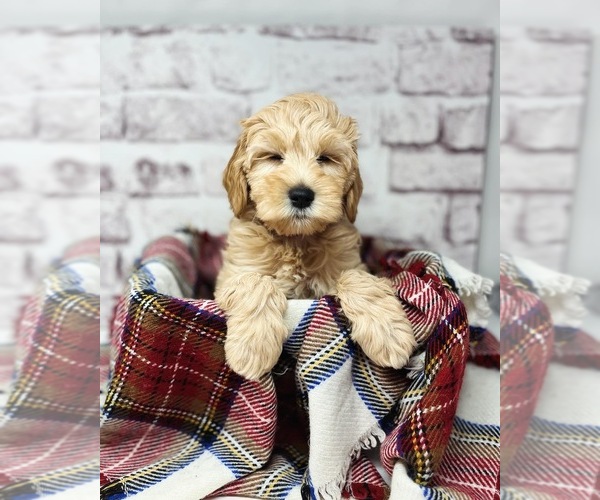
(296, 163)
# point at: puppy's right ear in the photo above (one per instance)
(234, 178)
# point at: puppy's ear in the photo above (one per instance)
(353, 194)
(352, 197)
(234, 178)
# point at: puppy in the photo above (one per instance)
(293, 184)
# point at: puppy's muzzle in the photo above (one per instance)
(301, 196)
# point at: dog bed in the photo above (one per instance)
(178, 423)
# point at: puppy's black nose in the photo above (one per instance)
(301, 196)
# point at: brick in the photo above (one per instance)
(560, 35)
(180, 118)
(543, 69)
(354, 33)
(73, 62)
(159, 216)
(413, 219)
(534, 171)
(16, 118)
(23, 61)
(13, 259)
(444, 67)
(20, 220)
(40, 258)
(511, 219)
(168, 60)
(550, 255)
(117, 162)
(10, 307)
(114, 222)
(211, 168)
(29, 166)
(507, 33)
(72, 177)
(410, 120)
(10, 180)
(365, 116)
(107, 180)
(476, 35)
(111, 272)
(548, 127)
(111, 117)
(69, 118)
(212, 214)
(241, 63)
(373, 163)
(464, 216)
(333, 68)
(70, 219)
(154, 177)
(464, 126)
(546, 218)
(465, 254)
(433, 169)
(115, 56)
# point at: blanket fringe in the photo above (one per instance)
(561, 293)
(549, 283)
(473, 290)
(369, 440)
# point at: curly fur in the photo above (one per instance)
(276, 251)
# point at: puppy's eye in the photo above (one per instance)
(323, 159)
(275, 157)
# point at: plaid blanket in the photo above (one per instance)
(178, 423)
(49, 426)
(545, 457)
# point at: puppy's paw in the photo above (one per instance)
(379, 323)
(252, 347)
(255, 327)
(385, 336)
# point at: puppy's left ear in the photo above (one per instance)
(234, 178)
(355, 191)
(353, 196)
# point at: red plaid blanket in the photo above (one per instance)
(541, 458)
(49, 427)
(178, 422)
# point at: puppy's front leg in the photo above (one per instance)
(255, 327)
(379, 323)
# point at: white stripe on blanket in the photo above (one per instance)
(186, 481)
(336, 400)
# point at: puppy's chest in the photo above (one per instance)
(305, 273)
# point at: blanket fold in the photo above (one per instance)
(178, 422)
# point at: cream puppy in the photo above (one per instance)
(294, 185)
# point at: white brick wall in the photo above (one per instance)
(543, 84)
(172, 100)
(49, 154)
(168, 110)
